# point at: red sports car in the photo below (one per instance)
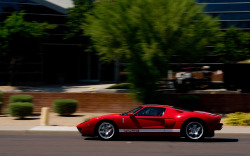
(153, 120)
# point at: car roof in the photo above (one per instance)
(156, 105)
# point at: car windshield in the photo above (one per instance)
(132, 111)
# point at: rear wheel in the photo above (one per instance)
(106, 130)
(194, 130)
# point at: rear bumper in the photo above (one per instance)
(219, 126)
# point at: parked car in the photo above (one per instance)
(153, 120)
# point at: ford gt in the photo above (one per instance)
(153, 120)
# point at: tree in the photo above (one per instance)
(233, 45)
(77, 16)
(146, 33)
(19, 39)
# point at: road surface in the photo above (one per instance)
(72, 144)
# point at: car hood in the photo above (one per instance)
(106, 116)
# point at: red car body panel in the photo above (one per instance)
(169, 124)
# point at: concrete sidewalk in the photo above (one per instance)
(69, 88)
(225, 130)
(37, 129)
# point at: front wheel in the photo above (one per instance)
(106, 131)
(194, 130)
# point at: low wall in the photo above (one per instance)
(87, 102)
(121, 102)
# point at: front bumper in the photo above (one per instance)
(85, 129)
(80, 130)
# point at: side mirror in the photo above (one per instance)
(130, 114)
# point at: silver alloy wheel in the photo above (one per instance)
(106, 130)
(194, 130)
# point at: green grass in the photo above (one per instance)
(238, 119)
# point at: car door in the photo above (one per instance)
(148, 121)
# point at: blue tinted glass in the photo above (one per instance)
(232, 16)
(229, 12)
(239, 24)
(227, 7)
(14, 4)
(221, 1)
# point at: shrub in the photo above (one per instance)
(190, 102)
(88, 118)
(1, 96)
(20, 109)
(120, 86)
(6, 111)
(65, 106)
(21, 98)
(238, 119)
(1, 105)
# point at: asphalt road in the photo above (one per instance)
(72, 144)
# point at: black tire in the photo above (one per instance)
(194, 130)
(106, 130)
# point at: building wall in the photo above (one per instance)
(58, 60)
(121, 102)
(63, 61)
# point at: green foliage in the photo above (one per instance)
(20, 40)
(65, 106)
(146, 33)
(6, 111)
(234, 45)
(190, 102)
(1, 95)
(88, 118)
(77, 16)
(15, 31)
(20, 105)
(21, 98)
(120, 86)
(20, 109)
(1, 103)
(238, 119)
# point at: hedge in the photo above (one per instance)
(65, 106)
(238, 119)
(1, 103)
(20, 109)
(21, 98)
(120, 86)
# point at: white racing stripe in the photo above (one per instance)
(148, 130)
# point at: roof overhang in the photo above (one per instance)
(58, 5)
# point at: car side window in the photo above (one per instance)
(151, 111)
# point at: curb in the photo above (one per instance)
(234, 131)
